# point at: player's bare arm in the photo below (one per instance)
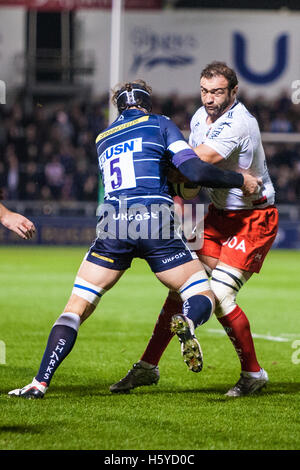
(17, 223)
(209, 155)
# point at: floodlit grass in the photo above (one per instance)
(185, 410)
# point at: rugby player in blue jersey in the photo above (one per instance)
(136, 220)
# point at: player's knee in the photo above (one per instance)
(225, 298)
(225, 284)
(226, 305)
(88, 291)
(207, 268)
(198, 283)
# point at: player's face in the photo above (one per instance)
(216, 96)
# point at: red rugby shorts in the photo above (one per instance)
(240, 238)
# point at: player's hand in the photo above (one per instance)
(18, 224)
(251, 185)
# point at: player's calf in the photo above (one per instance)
(226, 283)
(197, 309)
(85, 296)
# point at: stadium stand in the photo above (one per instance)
(50, 155)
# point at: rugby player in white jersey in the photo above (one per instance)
(16, 223)
(238, 229)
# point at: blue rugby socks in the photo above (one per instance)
(60, 343)
(197, 308)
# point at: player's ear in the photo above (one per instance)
(234, 90)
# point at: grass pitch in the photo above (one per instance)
(185, 411)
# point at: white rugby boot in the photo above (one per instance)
(31, 391)
(191, 351)
(247, 384)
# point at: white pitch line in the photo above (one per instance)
(291, 335)
(278, 339)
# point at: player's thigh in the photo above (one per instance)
(246, 274)
(211, 263)
(93, 280)
(99, 275)
(174, 278)
(187, 279)
(208, 262)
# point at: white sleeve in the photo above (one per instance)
(191, 140)
(191, 136)
(225, 138)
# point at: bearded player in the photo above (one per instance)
(238, 230)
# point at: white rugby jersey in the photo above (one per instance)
(236, 137)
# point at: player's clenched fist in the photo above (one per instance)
(251, 185)
(17, 223)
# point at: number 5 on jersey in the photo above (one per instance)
(117, 165)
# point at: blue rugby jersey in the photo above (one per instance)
(134, 153)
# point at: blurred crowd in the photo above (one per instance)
(50, 154)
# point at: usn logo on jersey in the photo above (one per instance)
(132, 145)
(116, 164)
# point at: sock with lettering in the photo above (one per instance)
(60, 343)
(198, 308)
(237, 327)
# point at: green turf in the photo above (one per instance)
(185, 410)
